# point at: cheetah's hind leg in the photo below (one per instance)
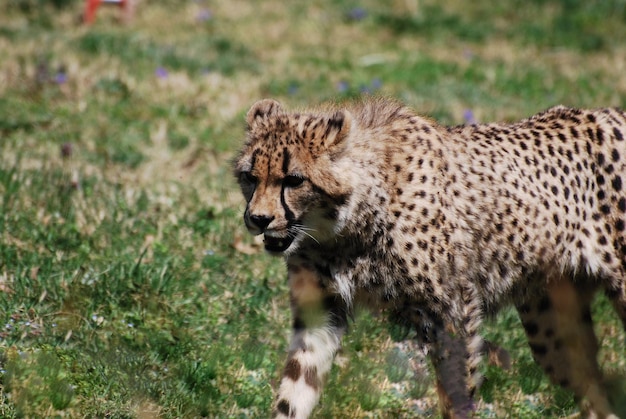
(615, 290)
(615, 284)
(560, 333)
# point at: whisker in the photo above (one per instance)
(314, 239)
(303, 229)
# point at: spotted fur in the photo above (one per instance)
(371, 204)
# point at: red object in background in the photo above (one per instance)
(91, 6)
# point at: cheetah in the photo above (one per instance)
(373, 205)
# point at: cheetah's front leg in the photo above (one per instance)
(319, 322)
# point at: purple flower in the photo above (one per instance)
(292, 89)
(161, 73)
(204, 15)
(60, 78)
(356, 14)
(468, 116)
(376, 83)
(343, 86)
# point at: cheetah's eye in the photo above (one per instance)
(248, 178)
(293, 181)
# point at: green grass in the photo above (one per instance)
(128, 285)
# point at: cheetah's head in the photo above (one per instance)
(289, 175)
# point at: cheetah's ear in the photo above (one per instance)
(337, 128)
(262, 109)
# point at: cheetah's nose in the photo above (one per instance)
(261, 221)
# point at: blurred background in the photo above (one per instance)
(128, 285)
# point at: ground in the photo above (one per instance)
(128, 286)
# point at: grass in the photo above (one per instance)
(128, 286)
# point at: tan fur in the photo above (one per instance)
(371, 204)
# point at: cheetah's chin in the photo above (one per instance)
(277, 244)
